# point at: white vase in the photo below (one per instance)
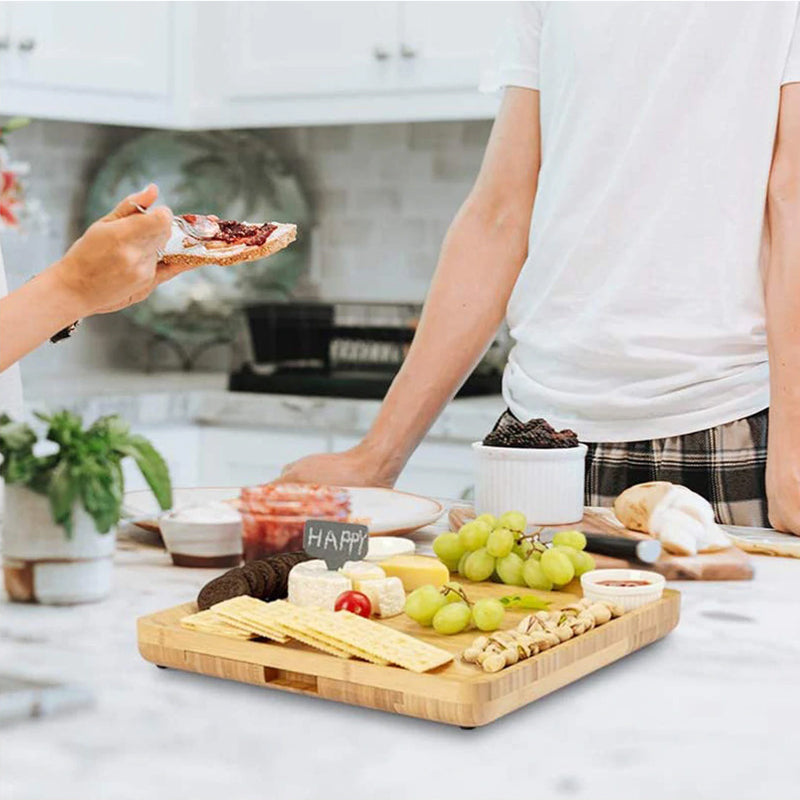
(40, 564)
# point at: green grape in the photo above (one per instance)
(454, 596)
(574, 539)
(557, 567)
(449, 549)
(523, 548)
(582, 562)
(452, 618)
(488, 519)
(462, 563)
(509, 569)
(423, 603)
(536, 554)
(514, 520)
(534, 577)
(479, 565)
(473, 535)
(487, 614)
(571, 553)
(500, 542)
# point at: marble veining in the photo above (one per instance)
(709, 712)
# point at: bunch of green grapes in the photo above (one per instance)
(498, 548)
(448, 610)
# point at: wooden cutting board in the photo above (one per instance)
(457, 693)
(725, 565)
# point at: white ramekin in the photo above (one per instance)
(628, 597)
(202, 544)
(544, 484)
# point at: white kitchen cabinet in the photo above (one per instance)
(244, 64)
(315, 48)
(248, 456)
(445, 45)
(94, 61)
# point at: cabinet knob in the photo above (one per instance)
(406, 51)
(26, 45)
(381, 53)
(5, 44)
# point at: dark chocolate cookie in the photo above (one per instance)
(232, 584)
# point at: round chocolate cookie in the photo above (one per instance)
(232, 584)
(255, 578)
(270, 579)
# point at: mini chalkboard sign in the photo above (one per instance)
(335, 542)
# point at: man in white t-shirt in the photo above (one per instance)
(649, 310)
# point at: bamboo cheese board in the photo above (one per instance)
(457, 693)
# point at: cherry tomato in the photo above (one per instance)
(356, 602)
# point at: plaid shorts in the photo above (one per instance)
(725, 464)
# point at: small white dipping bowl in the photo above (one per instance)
(546, 485)
(628, 597)
(203, 536)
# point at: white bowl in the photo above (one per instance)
(546, 485)
(198, 543)
(628, 597)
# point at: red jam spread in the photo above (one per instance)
(234, 232)
(623, 584)
(274, 516)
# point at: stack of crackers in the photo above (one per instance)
(338, 633)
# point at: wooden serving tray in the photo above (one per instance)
(457, 694)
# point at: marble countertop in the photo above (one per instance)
(202, 398)
(711, 711)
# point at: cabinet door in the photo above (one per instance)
(248, 456)
(444, 45)
(307, 48)
(91, 46)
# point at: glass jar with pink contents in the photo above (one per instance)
(274, 515)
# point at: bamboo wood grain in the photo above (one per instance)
(457, 694)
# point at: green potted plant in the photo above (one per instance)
(63, 499)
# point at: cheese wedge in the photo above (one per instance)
(386, 595)
(416, 571)
(359, 571)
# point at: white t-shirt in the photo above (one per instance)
(639, 312)
(10, 384)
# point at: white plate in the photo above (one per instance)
(388, 512)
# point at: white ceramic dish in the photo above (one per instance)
(197, 542)
(544, 484)
(389, 512)
(628, 597)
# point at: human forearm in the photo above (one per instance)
(782, 299)
(32, 314)
(479, 263)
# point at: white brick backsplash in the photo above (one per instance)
(382, 198)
